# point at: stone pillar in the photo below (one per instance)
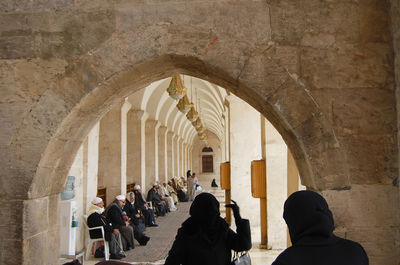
(180, 165)
(135, 170)
(175, 154)
(162, 154)
(188, 157)
(151, 152)
(227, 131)
(185, 165)
(124, 152)
(223, 144)
(110, 153)
(245, 146)
(263, 201)
(293, 180)
(78, 169)
(276, 186)
(178, 156)
(170, 155)
(293, 183)
(91, 160)
(191, 157)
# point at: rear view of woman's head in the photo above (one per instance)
(307, 215)
(205, 208)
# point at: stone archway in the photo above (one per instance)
(294, 125)
(260, 66)
(59, 154)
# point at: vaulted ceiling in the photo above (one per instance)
(208, 99)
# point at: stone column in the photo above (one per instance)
(110, 153)
(91, 160)
(151, 152)
(223, 144)
(162, 154)
(135, 170)
(170, 155)
(188, 157)
(180, 159)
(124, 152)
(263, 201)
(276, 166)
(185, 164)
(175, 154)
(293, 183)
(245, 146)
(191, 157)
(227, 132)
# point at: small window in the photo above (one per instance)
(102, 193)
(129, 187)
(207, 150)
(208, 166)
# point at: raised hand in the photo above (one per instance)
(235, 208)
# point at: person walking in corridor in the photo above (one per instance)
(311, 226)
(205, 238)
(191, 186)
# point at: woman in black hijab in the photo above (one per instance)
(205, 238)
(311, 226)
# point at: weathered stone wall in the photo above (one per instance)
(320, 71)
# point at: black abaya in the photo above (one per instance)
(311, 226)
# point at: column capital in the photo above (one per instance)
(138, 114)
(152, 123)
(162, 129)
(170, 134)
(227, 101)
(126, 106)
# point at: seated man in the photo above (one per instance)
(96, 218)
(172, 192)
(141, 204)
(155, 198)
(182, 183)
(311, 226)
(136, 219)
(163, 192)
(178, 188)
(115, 216)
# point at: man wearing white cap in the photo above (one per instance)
(96, 218)
(141, 204)
(137, 220)
(115, 215)
(158, 204)
(166, 196)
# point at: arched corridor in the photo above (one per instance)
(325, 74)
(146, 139)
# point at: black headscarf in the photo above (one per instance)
(205, 217)
(188, 174)
(308, 217)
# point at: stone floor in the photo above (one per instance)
(162, 238)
